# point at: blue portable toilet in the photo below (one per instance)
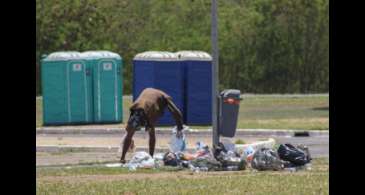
(163, 71)
(198, 87)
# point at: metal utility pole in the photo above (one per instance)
(215, 79)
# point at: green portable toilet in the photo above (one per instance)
(67, 89)
(107, 85)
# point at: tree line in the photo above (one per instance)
(265, 46)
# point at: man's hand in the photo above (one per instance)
(179, 134)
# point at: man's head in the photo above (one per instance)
(137, 119)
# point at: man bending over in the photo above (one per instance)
(145, 111)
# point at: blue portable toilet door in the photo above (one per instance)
(169, 79)
(108, 92)
(143, 77)
(78, 92)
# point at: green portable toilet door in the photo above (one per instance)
(79, 92)
(54, 93)
(107, 92)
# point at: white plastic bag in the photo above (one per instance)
(148, 164)
(141, 160)
(110, 165)
(140, 156)
(200, 145)
(178, 144)
(249, 150)
(158, 156)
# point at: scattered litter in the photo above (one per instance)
(226, 156)
(200, 145)
(249, 150)
(305, 149)
(228, 145)
(202, 150)
(178, 143)
(114, 165)
(187, 156)
(270, 143)
(290, 169)
(266, 159)
(158, 156)
(305, 167)
(229, 159)
(248, 154)
(294, 155)
(205, 164)
(140, 160)
(170, 159)
(158, 159)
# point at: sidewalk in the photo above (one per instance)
(119, 129)
(63, 149)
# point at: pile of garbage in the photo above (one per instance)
(224, 157)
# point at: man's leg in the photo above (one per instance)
(126, 143)
(152, 140)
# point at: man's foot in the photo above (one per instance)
(122, 161)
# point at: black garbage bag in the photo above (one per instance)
(295, 156)
(305, 149)
(266, 159)
(170, 159)
(218, 149)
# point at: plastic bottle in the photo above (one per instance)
(290, 169)
(203, 169)
(231, 168)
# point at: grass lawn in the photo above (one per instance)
(101, 180)
(265, 112)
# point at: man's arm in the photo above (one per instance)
(175, 113)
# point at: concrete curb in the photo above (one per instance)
(76, 148)
(163, 131)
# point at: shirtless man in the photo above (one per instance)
(145, 111)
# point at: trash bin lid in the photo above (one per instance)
(194, 55)
(156, 56)
(231, 93)
(62, 56)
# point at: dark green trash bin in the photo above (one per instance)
(229, 103)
